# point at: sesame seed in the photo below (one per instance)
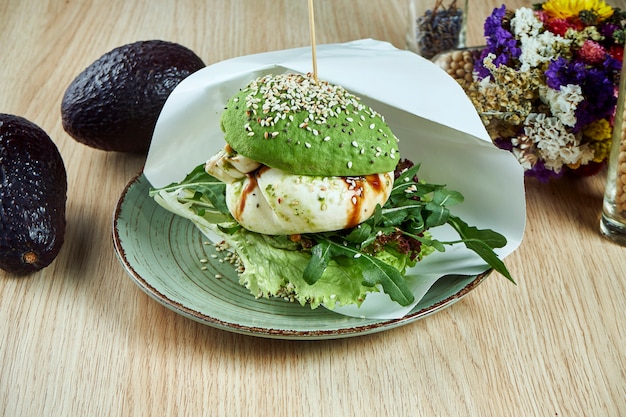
(279, 94)
(355, 144)
(307, 144)
(372, 126)
(327, 138)
(349, 164)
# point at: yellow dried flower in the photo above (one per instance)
(509, 94)
(599, 130)
(599, 134)
(601, 149)
(564, 9)
(578, 37)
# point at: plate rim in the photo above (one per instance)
(373, 326)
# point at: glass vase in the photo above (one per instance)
(613, 220)
(436, 26)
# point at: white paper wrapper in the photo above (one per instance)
(427, 110)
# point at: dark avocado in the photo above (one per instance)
(114, 103)
(33, 193)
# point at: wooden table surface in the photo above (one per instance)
(81, 339)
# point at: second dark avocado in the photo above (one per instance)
(33, 193)
(113, 105)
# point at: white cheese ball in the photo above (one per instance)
(273, 202)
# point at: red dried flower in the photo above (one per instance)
(592, 52)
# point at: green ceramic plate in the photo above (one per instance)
(172, 262)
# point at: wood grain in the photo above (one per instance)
(79, 338)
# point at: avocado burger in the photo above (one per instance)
(311, 196)
(303, 156)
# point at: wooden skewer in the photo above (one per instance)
(312, 31)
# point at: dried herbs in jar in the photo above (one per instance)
(436, 26)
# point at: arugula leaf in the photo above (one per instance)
(203, 188)
(482, 241)
(320, 256)
(437, 215)
(431, 243)
(374, 271)
(393, 283)
(445, 197)
(360, 234)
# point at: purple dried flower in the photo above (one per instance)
(598, 88)
(613, 67)
(494, 21)
(563, 72)
(503, 143)
(608, 29)
(500, 42)
(541, 173)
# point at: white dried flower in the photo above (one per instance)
(525, 23)
(563, 102)
(540, 49)
(554, 144)
(524, 150)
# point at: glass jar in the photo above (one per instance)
(436, 26)
(613, 221)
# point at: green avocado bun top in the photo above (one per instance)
(304, 127)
